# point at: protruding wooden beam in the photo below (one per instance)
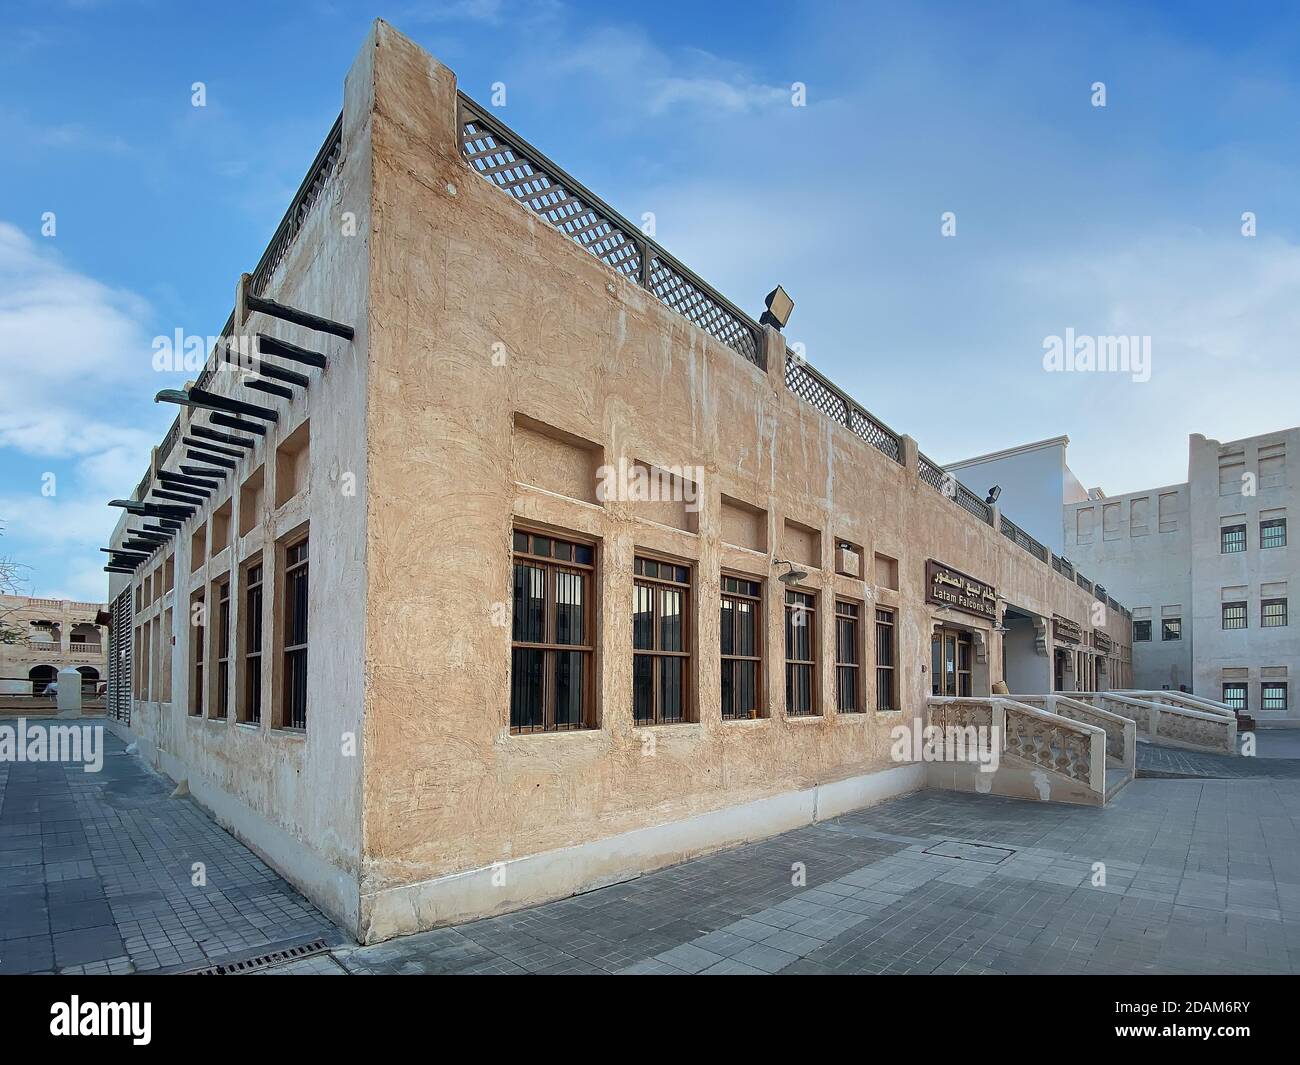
(224, 438)
(216, 449)
(246, 303)
(204, 457)
(231, 422)
(282, 349)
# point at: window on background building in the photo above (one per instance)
(661, 659)
(741, 638)
(886, 661)
(848, 657)
(198, 630)
(1232, 539)
(295, 635)
(223, 650)
(1234, 615)
(1234, 696)
(1141, 631)
(1272, 533)
(1171, 629)
(553, 629)
(800, 654)
(1273, 613)
(251, 709)
(1273, 696)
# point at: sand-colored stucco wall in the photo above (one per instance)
(481, 314)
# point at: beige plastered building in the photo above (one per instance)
(475, 586)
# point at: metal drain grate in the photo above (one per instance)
(262, 961)
(970, 852)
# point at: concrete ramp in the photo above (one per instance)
(1001, 746)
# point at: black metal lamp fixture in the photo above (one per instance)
(994, 492)
(779, 308)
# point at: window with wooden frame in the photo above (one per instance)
(552, 651)
(295, 602)
(250, 707)
(848, 657)
(1272, 533)
(1171, 629)
(800, 654)
(661, 657)
(886, 660)
(1234, 696)
(1273, 697)
(198, 631)
(220, 706)
(1272, 613)
(741, 637)
(1141, 631)
(1234, 615)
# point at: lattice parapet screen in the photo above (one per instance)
(322, 167)
(968, 500)
(1013, 532)
(511, 164)
(810, 386)
(930, 472)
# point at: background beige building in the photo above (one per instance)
(49, 635)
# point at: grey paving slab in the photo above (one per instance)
(97, 874)
(1193, 869)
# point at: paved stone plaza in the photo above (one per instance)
(1202, 874)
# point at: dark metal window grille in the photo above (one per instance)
(295, 635)
(252, 710)
(1171, 629)
(1232, 539)
(661, 660)
(741, 638)
(1141, 632)
(1273, 613)
(1234, 615)
(553, 633)
(1273, 696)
(1272, 533)
(513, 165)
(1234, 697)
(197, 640)
(886, 661)
(848, 657)
(223, 651)
(800, 654)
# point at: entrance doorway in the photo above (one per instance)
(951, 659)
(1059, 668)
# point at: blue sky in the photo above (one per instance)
(1117, 220)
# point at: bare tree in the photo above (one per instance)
(9, 585)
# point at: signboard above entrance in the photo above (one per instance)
(1101, 641)
(1066, 630)
(952, 588)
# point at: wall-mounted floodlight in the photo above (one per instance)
(779, 308)
(793, 575)
(994, 492)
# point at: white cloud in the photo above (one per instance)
(65, 340)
